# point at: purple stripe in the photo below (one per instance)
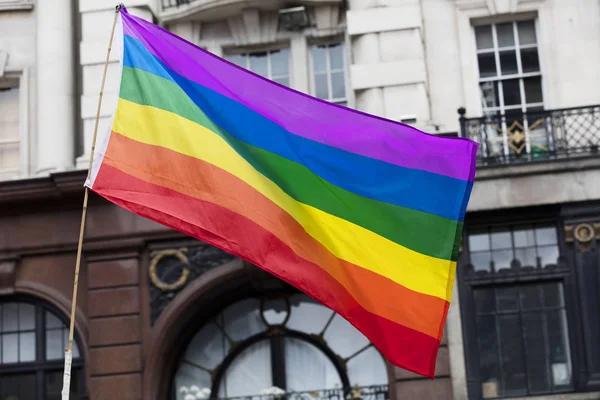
(306, 116)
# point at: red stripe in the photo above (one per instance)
(240, 236)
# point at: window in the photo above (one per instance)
(515, 314)
(32, 342)
(272, 64)
(9, 130)
(328, 66)
(509, 67)
(278, 344)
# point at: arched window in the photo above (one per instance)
(289, 344)
(32, 342)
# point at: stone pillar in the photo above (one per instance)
(55, 83)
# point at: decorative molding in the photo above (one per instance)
(172, 270)
(14, 5)
(253, 27)
(3, 62)
(582, 234)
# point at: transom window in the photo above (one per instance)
(272, 64)
(274, 346)
(32, 343)
(9, 130)
(329, 80)
(509, 67)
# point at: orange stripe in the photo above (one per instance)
(198, 179)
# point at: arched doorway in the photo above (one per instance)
(286, 343)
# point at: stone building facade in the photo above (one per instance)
(161, 316)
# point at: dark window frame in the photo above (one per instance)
(563, 272)
(42, 367)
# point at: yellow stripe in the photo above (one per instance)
(342, 238)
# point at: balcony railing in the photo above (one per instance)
(534, 136)
(379, 392)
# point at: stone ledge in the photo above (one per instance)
(538, 168)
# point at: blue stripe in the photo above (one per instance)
(368, 177)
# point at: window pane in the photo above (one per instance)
(338, 86)
(533, 89)
(336, 56)
(343, 338)
(524, 237)
(275, 311)
(488, 356)
(531, 296)
(526, 256)
(513, 361)
(508, 62)
(485, 301)
(490, 94)
(282, 81)
(10, 321)
(26, 317)
(308, 315)
(483, 37)
(319, 58)
(507, 299)
(18, 387)
(487, 65)
(502, 259)
(208, 347)
(529, 60)
(367, 368)
(55, 346)
(560, 358)
(545, 236)
(512, 92)
(188, 379)
(505, 34)
(279, 62)
(10, 348)
(548, 255)
(250, 372)
(553, 295)
(308, 368)
(479, 242)
(526, 32)
(52, 321)
(481, 260)
(243, 319)
(321, 89)
(27, 347)
(501, 240)
(535, 350)
(238, 59)
(258, 63)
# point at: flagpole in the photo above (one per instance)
(69, 349)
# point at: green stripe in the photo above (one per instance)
(430, 234)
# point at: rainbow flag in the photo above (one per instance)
(359, 212)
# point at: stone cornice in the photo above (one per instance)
(49, 187)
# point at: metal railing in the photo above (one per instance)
(541, 135)
(379, 392)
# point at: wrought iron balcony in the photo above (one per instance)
(535, 136)
(379, 392)
(174, 3)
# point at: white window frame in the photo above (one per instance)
(348, 99)
(263, 49)
(20, 80)
(520, 75)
